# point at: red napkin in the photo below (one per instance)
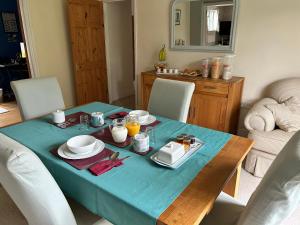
(118, 115)
(155, 123)
(104, 166)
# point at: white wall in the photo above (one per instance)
(267, 45)
(119, 49)
(49, 24)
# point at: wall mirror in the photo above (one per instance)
(203, 25)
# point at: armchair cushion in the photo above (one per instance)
(271, 142)
(259, 117)
(287, 114)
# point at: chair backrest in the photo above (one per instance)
(31, 186)
(171, 99)
(284, 89)
(37, 97)
(278, 194)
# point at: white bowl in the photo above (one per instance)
(141, 114)
(81, 144)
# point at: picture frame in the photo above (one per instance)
(9, 21)
(178, 17)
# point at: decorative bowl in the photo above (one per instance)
(142, 115)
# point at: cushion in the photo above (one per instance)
(226, 211)
(271, 142)
(259, 117)
(284, 89)
(278, 194)
(287, 114)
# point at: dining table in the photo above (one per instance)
(141, 192)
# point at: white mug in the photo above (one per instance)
(141, 142)
(58, 116)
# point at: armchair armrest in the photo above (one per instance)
(259, 117)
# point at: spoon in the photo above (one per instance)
(113, 158)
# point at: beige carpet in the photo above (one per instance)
(10, 215)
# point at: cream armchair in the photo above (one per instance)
(260, 121)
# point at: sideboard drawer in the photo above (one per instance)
(210, 87)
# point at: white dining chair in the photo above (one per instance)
(171, 99)
(37, 97)
(276, 197)
(33, 189)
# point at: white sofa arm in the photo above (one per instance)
(259, 117)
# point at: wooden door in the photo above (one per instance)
(208, 111)
(88, 48)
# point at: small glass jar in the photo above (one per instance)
(193, 139)
(179, 139)
(186, 143)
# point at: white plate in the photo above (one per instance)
(151, 119)
(64, 152)
(198, 144)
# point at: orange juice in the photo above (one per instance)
(133, 128)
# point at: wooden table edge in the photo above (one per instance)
(188, 215)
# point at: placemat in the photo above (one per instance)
(71, 120)
(81, 164)
(105, 136)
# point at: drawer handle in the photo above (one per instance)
(210, 87)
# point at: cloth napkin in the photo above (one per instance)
(104, 166)
(155, 123)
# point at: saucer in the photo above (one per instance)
(150, 119)
(64, 152)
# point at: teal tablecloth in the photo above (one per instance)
(136, 193)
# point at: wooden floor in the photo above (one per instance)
(11, 117)
(128, 102)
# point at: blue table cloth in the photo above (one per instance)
(136, 193)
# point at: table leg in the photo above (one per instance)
(232, 187)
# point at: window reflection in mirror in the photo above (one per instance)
(201, 23)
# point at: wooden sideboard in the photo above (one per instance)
(215, 103)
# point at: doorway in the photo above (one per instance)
(13, 59)
(119, 41)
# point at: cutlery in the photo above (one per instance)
(114, 157)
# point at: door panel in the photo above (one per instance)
(208, 111)
(88, 47)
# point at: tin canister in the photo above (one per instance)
(97, 119)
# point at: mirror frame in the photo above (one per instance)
(225, 49)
